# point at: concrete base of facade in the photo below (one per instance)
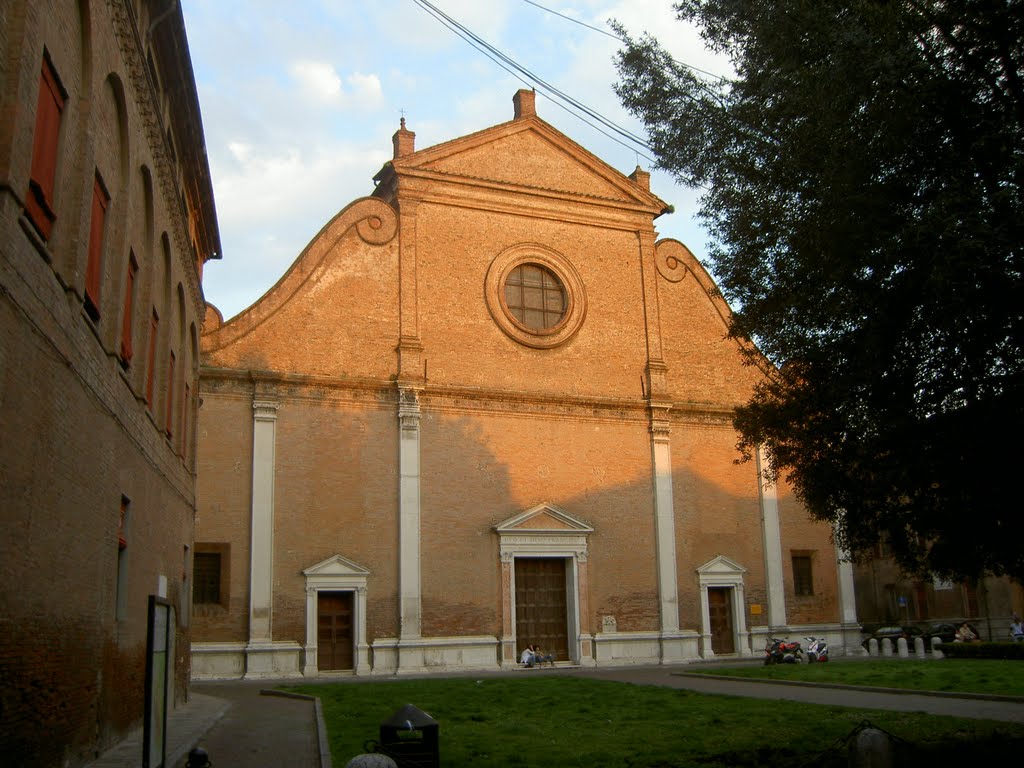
(232, 661)
(842, 639)
(272, 660)
(415, 656)
(218, 661)
(620, 648)
(390, 656)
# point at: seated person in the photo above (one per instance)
(965, 634)
(528, 658)
(541, 657)
(1017, 629)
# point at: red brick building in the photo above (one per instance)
(106, 218)
(486, 407)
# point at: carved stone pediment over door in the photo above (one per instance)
(545, 584)
(335, 587)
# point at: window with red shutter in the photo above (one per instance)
(154, 327)
(39, 201)
(126, 319)
(94, 266)
(169, 421)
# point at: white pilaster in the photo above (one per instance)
(664, 519)
(772, 540)
(847, 594)
(409, 513)
(262, 550)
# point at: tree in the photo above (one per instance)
(862, 174)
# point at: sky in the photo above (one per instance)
(300, 100)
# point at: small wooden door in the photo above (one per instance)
(334, 635)
(720, 615)
(541, 611)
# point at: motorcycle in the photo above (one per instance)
(817, 649)
(778, 651)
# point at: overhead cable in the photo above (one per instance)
(535, 81)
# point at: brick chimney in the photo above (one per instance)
(525, 103)
(404, 142)
(641, 178)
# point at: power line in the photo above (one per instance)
(535, 81)
(576, 21)
(620, 39)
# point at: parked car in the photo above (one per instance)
(894, 633)
(945, 631)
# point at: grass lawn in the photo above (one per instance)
(965, 675)
(549, 721)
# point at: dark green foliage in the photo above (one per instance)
(863, 176)
(1014, 651)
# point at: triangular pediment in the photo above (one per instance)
(720, 565)
(529, 154)
(336, 566)
(544, 518)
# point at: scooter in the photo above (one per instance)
(779, 651)
(817, 649)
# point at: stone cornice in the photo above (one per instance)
(147, 103)
(499, 197)
(464, 400)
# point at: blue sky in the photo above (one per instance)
(300, 100)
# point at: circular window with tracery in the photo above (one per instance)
(535, 295)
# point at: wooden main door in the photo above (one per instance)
(334, 630)
(720, 616)
(541, 610)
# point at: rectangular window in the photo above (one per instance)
(169, 420)
(206, 578)
(210, 583)
(94, 266)
(154, 327)
(126, 319)
(803, 581)
(39, 201)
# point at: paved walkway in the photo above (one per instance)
(243, 724)
(978, 708)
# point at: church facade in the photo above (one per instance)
(486, 407)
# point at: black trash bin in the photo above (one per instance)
(410, 738)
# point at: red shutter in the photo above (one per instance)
(154, 326)
(39, 201)
(126, 319)
(94, 266)
(169, 422)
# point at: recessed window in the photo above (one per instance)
(803, 576)
(535, 297)
(39, 202)
(206, 578)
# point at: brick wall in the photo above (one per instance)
(76, 433)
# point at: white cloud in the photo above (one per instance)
(321, 83)
(318, 80)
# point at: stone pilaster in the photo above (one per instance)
(409, 513)
(664, 519)
(772, 541)
(261, 563)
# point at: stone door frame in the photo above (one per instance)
(545, 531)
(722, 571)
(336, 574)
